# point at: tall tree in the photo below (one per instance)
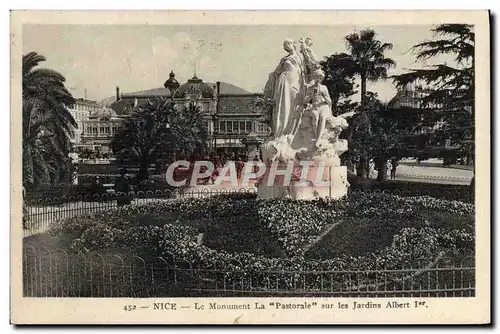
(47, 123)
(450, 89)
(340, 72)
(157, 129)
(367, 52)
(370, 63)
(382, 133)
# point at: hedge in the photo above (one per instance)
(455, 192)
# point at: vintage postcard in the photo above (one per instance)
(250, 167)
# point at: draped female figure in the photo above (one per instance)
(285, 87)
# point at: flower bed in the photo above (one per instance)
(406, 188)
(175, 232)
(295, 224)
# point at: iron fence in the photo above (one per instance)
(38, 214)
(60, 273)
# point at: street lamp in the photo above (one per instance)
(172, 136)
(214, 133)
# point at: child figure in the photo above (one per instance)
(320, 104)
(309, 55)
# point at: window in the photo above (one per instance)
(248, 126)
(242, 127)
(263, 128)
(229, 127)
(205, 123)
(222, 126)
(206, 106)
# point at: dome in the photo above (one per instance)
(195, 86)
(103, 113)
(172, 84)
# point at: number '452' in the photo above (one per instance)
(129, 307)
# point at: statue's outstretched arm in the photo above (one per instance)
(347, 115)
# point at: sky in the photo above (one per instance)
(97, 58)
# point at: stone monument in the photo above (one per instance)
(304, 145)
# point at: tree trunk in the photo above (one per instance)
(363, 91)
(381, 166)
(472, 187)
(143, 173)
(363, 168)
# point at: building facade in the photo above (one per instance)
(411, 96)
(230, 113)
(99, 130)
(81, 111)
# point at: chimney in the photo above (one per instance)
(218, 87)
(117, 93)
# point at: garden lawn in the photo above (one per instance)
(374, 219)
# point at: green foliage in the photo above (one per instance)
(367, 53)
(450, 97)
(377, 132)
(376, 223)
(158, 129)
(369, 62)
(340, 71)
(449, 192)
(47, 124)
(412, 235)
(296, 224)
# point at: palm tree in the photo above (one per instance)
(370, 64)
(158, 129)
(368, 55)
(47, 123)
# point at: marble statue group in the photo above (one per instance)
(304, 129)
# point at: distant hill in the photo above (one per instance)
(107, 101)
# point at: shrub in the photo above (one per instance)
(407, 188)
(295, 224)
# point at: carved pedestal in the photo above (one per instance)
(321, 181)
(332, 184)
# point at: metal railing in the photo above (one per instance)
(59, 273)
(38, 214)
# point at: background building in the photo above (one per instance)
(81, 111)
(411, 96)
(230, 113)
(99, 130)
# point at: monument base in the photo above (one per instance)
(320, 182)
(334, 185)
